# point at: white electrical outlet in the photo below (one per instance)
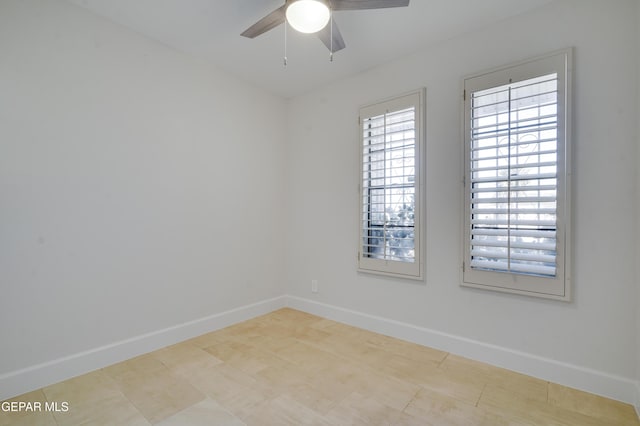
(314, 286)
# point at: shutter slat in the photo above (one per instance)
(488, 254)
(506, 144)
(515, 166)
(515, 131)
(515, 124)
(514, 267)
(514, 178)
(502, 200)
(520, 222)
(513, 211)
(479, 190)
(531, 233)
(507, 156)
(513, 245)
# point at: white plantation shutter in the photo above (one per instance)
(390, 143)
(514, 163)
(516, 182)
(388, 181)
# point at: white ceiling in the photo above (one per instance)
(210, 30)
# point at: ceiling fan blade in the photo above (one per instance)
(366, 4)
(267, 23)
(326, 33)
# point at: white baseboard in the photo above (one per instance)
(37, 376)
(637, 404)
(597, 382)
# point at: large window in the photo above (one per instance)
(391, 146)
(517, 178)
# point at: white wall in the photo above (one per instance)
(130, 195)
(638, 211)
(597, 329)
(134, 195)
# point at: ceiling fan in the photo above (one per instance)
(312, 16)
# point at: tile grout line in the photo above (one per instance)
(481, 393)
(411, 400)
(547, 388)
(443, 359)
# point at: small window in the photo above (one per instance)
(517, 178)
(391, 175)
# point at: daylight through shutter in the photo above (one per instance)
(388, 185)
(514, 177)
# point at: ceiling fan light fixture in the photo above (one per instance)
(308, 16)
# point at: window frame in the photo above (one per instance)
(557, 287)
(393, 268)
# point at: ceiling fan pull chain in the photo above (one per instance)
(285, 42)
(331, 23)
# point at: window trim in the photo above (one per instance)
(558, 287)
(397, 269)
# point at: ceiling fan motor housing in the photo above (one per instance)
(308, 16)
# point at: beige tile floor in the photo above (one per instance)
(292, 368)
